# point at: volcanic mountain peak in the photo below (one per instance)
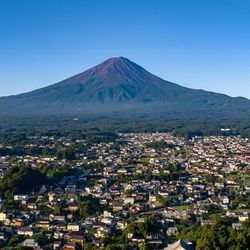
(109, 63)
(115, 72)
(111, 70)
(115, 60)
(120, 84)
(113, 64)
(119, 67)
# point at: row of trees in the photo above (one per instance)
(159, 145)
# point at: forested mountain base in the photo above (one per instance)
(125, 122)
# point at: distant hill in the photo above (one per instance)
(119, 84)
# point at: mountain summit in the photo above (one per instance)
(120, 84)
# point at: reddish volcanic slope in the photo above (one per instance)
(115, 81)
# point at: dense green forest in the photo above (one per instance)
(23, 179)
(219, 236)
(93, 124)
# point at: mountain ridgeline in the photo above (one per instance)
(119, 84)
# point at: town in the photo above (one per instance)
(123, 191)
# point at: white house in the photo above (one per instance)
(73, 227)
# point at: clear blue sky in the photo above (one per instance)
(196, 43)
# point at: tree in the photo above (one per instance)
(163, 201)
(89, 246)
(144, 247)
(115, 247)
(89, 207)
(69, 154)
(14, 240)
